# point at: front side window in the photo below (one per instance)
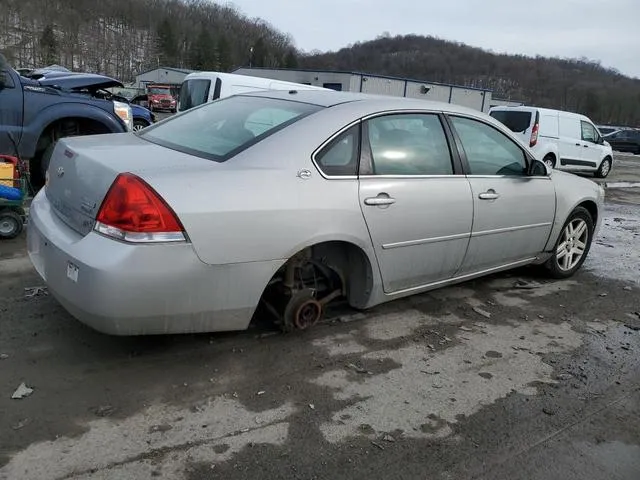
(409, 144)
(340, 156)
(588, 132)
(219, 130)
(489, 151)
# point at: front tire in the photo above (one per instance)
(139, 125)
(573, 245)
(604, 169)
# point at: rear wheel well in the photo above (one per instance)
(61, 128)
(314, 277)
(352, 265)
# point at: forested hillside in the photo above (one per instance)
(576, 85)
(124, 37)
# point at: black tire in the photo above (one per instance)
(604, 169)
(550, 160)
(552, 265)
(139, 124)
(10, 224)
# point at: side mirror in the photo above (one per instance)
(539, 169)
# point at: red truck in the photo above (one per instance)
(160, 98)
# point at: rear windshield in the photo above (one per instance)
(515, 121)
(193, 93)
(219, 130)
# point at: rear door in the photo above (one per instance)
(570, 143)
(414, 198)
(194, 92)
(519, 121)
(513, 212)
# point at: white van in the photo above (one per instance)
(563, 140)
(202, 87)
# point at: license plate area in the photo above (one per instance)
(72, 272)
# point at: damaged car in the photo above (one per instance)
(279, 203)
(50, 104)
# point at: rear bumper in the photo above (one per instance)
(123, 289)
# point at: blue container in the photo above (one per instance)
(10, 193)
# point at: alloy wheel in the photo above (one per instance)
(570, 251)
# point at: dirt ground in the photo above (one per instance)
(508, 377)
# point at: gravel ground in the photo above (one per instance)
(484, 380)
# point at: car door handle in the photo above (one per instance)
(585, 146)
(577, 144)
(489, 195)
(379, 201)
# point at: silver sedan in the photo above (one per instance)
(277, 203)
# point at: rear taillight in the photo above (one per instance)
(534, 135)
(132, 211)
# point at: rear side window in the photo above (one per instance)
(193, 93)
(340, 156)
(219, 130)
(409, 144)
(515, 121)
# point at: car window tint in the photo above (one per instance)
(489, 151)
(516, 121)
(193, 93)
(409, 144)
(340, 156)
(219, 130)
(588, 132)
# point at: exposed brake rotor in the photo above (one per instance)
(303, 310)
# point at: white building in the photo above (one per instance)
(479, 99)
(164, 75)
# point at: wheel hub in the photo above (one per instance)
(6, 227)
(307, 314)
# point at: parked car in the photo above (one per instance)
(627, 140)
(38, 111)
(142, 117)
(203, 87)
(563, 140)
(159, 98)
(280, 202)
(606, 130)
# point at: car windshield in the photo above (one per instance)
(159, 91)
(515, 121)
(219, 130)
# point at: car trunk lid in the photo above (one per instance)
(82, 169)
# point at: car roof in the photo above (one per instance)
(328, 98)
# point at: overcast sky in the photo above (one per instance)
(605, 30)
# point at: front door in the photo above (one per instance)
(591, 151)
(513, 212)
(418, 209)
